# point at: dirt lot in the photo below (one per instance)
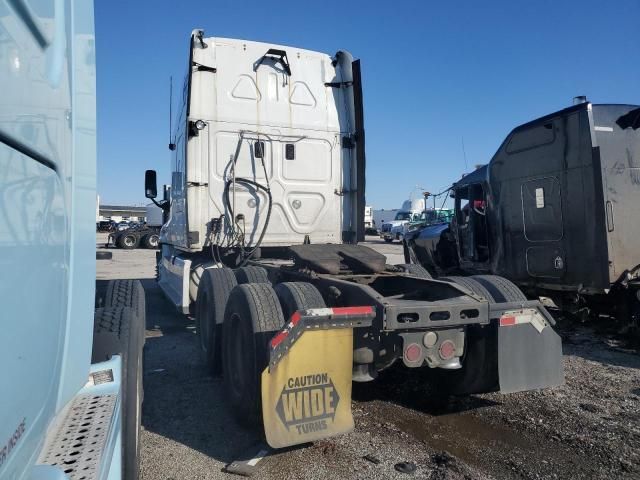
(589, 428)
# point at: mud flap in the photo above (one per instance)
(306, 389)
(529, 352)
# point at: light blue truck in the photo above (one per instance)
(70, 374)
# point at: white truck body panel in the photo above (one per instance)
(382, 216)
(173, 278)
(47, 238)
(247, 101)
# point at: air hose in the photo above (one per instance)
(257, 186)
(236, 239)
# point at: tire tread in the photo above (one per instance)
(126, 293)
(251, 274)
(256, 306)
(119, 330)
(219, 282)
(269, 315)
(295, 296)
(502, 289)
(471, 284)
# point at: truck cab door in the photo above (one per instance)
(543, 227)
(470, 226)
(47, 208)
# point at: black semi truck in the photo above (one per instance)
(555, 211)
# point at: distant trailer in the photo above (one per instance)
(383, 215)
(146, 235)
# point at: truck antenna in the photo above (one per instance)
(172, 146)
(464, 155)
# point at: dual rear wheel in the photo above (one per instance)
(235, 320)
(150, 240)
(129, 241)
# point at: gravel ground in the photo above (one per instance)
(589, 428)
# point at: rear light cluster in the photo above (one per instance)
(447, 350)
(414, 351)
(507, 320)
(524, 316)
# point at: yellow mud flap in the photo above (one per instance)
(306, 389)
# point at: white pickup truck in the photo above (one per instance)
(410, 211)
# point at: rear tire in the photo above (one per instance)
(213, 293)
(295, 296)
(479, 372)
(501, 289)
(129, 241)
(253, 315)
(251, 274)
(388, 240)
(127, 293)
(150, 240)
(118, 330)
(470, 284)
(415, 270)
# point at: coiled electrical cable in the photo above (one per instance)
(236, 237)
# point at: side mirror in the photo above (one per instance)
(150, 184)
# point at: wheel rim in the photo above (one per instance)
(129, 241)
(153, 240)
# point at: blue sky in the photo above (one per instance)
(433, 74)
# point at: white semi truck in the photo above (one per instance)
(411, 210)
(261, 244)
(70, 375)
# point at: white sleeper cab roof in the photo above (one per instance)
(265, 147)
